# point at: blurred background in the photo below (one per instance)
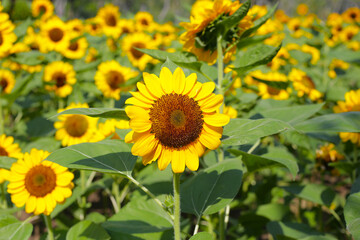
(164, 10)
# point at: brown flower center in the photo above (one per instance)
(40, 181)
(308, 82)
(349, 36)
(56, 34)
(60, 79)
(110, 20)
(114, 78)
(177, 120)
(3, 152)
(136, 53)
(3, 83)
(42, 9)
(353, 15)
(273, 91)
(76, 125)
(144, 22)
(74, 46)
(1, 39)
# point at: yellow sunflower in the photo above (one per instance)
(109, 77)
(304, 84)
(144, 21)
(76, 26)
(337, 64)
(138, 40)
(43, 8)
(281, 16)
(93, 26)
(39, 184)
(348, 33)
(315, 53)
(8, 148)
(7, 36)
(351, 15)
(351, 104)
(302, 9)
(169, 33)
(127, 26)
(109, 17)
(328, 153)
(108, 127)
(92, 55)
(34, 40)
(59, 76)
(74, 129)
(76, 49)
(230, 111)
(7, 81)
(55, 34)
(174, 119)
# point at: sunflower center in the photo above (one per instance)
(350, 35)
(177, 120)
(110, 20)
(353, 15)
(74, 46)
(3, 83)
(42, 9)
(308, 82)
(56, 34)
(272, 90)
(1, 39)
(136, 53)
(76, 125)
(296, 27)
(3, 152)
(144, 22)
(60, 79)
(40, 181)
(114, 78)
(125, 30)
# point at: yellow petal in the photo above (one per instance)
(144, 145)
(30, 204)
(152, 83)
(140, 125)
(195, 90)
(149, 158)
(138, 103)
(166, 80)
(40, 206)
(64, 179)
(190, 83)
(164, 159)
(206, 89)
(200, 149)
(19, 199)
(136, 112)
(144, 91)
(141, 97)
(57, 194)
(179, 81)
(215, 131)
(212, 103)
(191, 158)
(217, 119)
(178, 161)
(209, 141)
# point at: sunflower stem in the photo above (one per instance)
(49, 227)
(177, 211)
(83, 198)
(3, 196)
(220, 68)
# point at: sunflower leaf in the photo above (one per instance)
(87, 230)
(116, 113)
(6, 162)
(202, 236)
(352, 212)
(12, 229)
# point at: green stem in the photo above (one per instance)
(177, 211)
(83, 198)
(220, 68)
(3, 196)
(49, 227)
(354, 161)
(222, 224)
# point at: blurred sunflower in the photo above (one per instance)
(127, 26)
(74, 129)
(7, 36)
(42, 8)
(348, 33)
(93, 26)
(8, 148)
(281, 16)
(59, 77)
(328, 153)
(109, 127)
(34, 40)
(351, 15)
(168, 31)
(336, 65)
(39, 184)
(76, 49)
(109, 17)
(138, 40)
(76, 26)
(304, 84)
(92, 55)
(173, 119)
(109, 77)
(302, 9)
(315, 53)
(55, 34)
(144, 21)
(7, 81)
(230, 111)
(351, 104)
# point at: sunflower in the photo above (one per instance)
(348, 33)
(127, 26)
(76, 26)
(351, 15)
(59, 76)
(8, 148)
(39, 184)
(169, 33)
(92, 55)
(7, 81)
(108, 127)
(74, 129)
(230, 111)
(281, 16)
(7, 36)
(173, 119)
(109, 77)
(328, 153)
(351, 104)
(267, 91)
(55, 34)
(144, 21)
(93, 26)
(315, 53)
(304, 84)
(109, 17)
(43, 8)
(337, 64)
(76, 49)
(138, 40)
(302, 9)
(34, 40)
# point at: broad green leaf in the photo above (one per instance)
(293, 114)
(97, 112)
(13, 229)
(235, 18)
(274, 84)
(49, 144)
(352, 214)
(95, 217)
(202, 236)
(242, 43)
(315, 193)
(277, 158)
(337, 122)
(255, 56)
(273, 211)
(209, 191)
(29, 58)
(108, 156)
(243, 131)
(87, 230)
(6, 162)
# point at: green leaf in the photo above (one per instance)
(235, 18)
(95, 217)
(31, 58)
(259, 22)
(293, 114)
(352, 211)
(108, 156)
(277, 158)
(202, 236)
(243, 131)
(337, 122)
(6, 162)
(209, 191)
(86, 230)
(97, 112)
(274, 84)
(255, 56)
(242, 43)
(316, 193)
(49, 144)
(13, 229)
(273, 211)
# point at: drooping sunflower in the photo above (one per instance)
(351, 104)
(59, 76)
(39, 184)
(55, 34)
(174, 119)
(74, 129)
(7, 81)
(109, 17)
(138, 40)
(304, 84)
(144, 21)
(43, 8)
(109, 77)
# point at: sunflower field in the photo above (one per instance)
(239, 121)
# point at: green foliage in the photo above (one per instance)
(97, 112)
(85, 230)
(12, 229)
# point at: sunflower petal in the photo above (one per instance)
(178, 161)
(190, 83)
(166, 80)
(209, 141)
(179, 81)
(152, 83)
(206, 89)
(164, 159)
(191, 158)
(217, 119)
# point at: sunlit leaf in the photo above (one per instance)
(13, 229)
(116, 113)
(87, 230)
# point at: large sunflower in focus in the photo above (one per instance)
(59, 76)
(7, 81)
(39, 184)
(109, 17)
(110, 76)
(174, 119)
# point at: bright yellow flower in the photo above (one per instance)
(109, 77)
(173, 119)
(43, 8)
(7, 81)
(281, 16)
(59, 76)
(55, 34)
(34, 40)
(39, 184)
(138, 40)
(328, 153)
(351, 15)
(295, 25)
(257, 12)
(76, 49)
(315, 53)
(127, 26)
(230, 111)
(92, 55)
(144, 21)
(108, 127)
(302, 9)
(94, 26)
(76, 26)
(334, 19)
(8, 148)
(304, 84)
(109, 16)
(74, 129)
(169, 33)
(7, 36)
(348, 33)
(236, 80)
(337, 64)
